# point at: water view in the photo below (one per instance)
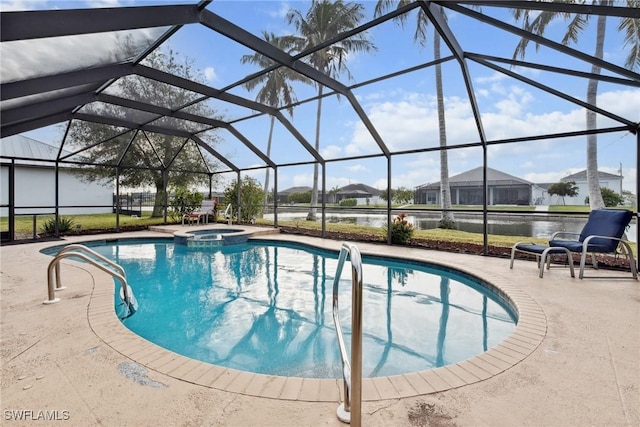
(525, 225)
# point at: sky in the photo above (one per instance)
(403, 110)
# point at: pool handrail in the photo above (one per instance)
(83, 248)
(89, 256)
(228, 213)
(351, 410)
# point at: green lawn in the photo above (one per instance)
(435, 233)
(24, 223)
(576, 208)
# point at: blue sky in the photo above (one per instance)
(403, 109)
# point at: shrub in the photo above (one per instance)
(303, 197)
(252, 196)
(348, 202)
(184, 202)
(401, 229)
(609, 197)
(65, 225)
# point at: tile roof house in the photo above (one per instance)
(360, 192)
(364, 194)
(466, 189)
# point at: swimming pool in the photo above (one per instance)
(266, 308)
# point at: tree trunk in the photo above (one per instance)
(266, 175)
(158, 204)
(311, 216)
(161, 196)
(593, 182)
(447, 220)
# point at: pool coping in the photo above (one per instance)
(527, 336)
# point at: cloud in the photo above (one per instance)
(380, 183)
(516, 100)
(210, 74)
(625, 103)
(409, 121)
(331, 151)
(300, 180)
(412, 122)
(495, 77)
(357, 168)
(257, 174)
(105, 3)
(281, 11)
(527, 165)
(16, 5)
(546, 177)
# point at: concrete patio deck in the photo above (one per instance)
(70, 362)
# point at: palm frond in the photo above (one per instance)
(537, 23)
(631, 29)
(575, 27)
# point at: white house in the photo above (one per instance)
(35, 182)
(607, 180)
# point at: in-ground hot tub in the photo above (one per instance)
(211, 238)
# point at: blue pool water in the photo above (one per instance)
(267, 308)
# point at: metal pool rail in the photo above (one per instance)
(93, 258)
(351, 410)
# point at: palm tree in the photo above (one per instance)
(323, 21)
(333, 192)
(578, 23)
(420, 36)
(276, 90)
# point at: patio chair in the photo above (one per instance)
(602, 234)
(543, 255)
(207, 208)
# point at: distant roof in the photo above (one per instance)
(359, 189)
(474, 176)
(355, 192)
(582, 176)
(292, 190)
(23, 147)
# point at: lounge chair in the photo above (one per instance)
(207, 208)
(602, 234)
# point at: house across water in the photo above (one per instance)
(504, 189)
(467, 189)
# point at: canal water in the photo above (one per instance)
(525, 225)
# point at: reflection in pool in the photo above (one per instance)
(266, 308)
